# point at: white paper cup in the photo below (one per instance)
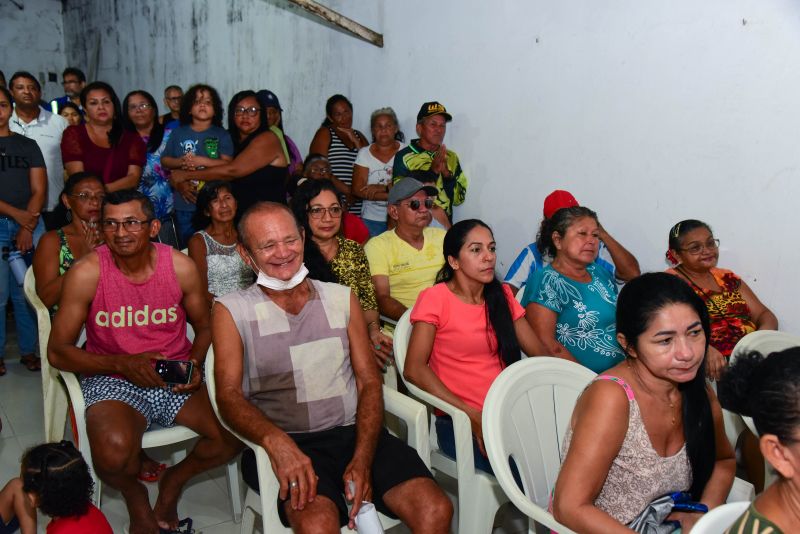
(367, 521)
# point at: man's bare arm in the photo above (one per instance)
(388, 306)
(195, 303)
(369, 414)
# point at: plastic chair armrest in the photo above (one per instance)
(462, 429)
(74, 390)
(415, 416)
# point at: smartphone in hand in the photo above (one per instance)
(175, 372)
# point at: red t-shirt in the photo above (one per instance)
(463, 357)
(77, 146)
(92, 522)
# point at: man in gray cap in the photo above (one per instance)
(404, 260)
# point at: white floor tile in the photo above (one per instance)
(10, 456)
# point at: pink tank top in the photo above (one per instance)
(129, 318)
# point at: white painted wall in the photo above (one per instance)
(33, 39)
(649, 112)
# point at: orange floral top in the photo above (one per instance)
(730, 315)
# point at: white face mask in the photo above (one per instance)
(276, 283)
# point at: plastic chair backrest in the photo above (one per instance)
(53, 394)
(525, 416)
(718, 520)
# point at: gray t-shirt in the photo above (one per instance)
(18, 155)
(211, 143)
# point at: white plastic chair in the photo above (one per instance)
(55, 398)
(718, 520)
(264, 504)
(155, 437)
(525, 416)
(479, 494)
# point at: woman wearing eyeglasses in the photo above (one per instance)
(58, 249)
(734, 308)
(213, 248)
(330, 257)
(259, 169)
(140, 116)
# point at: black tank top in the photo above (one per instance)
(266, 183)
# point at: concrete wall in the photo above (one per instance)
(33, 39)
(649, 112)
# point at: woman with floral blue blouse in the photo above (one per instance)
(571, 304)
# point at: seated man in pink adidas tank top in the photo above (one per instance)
(135, 298)
(295, 374)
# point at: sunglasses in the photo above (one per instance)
(415, 204)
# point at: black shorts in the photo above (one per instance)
(330, 451)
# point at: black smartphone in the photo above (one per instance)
(174, 372)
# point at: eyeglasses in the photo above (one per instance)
(86, 197)
(250, 112)
(131, 225)
(139, 107)
(697, 248)
(317, 213)
(70, 82)
(415, 204)
(318, 170)
(174, 98)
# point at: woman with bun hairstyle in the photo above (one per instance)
(767, 388)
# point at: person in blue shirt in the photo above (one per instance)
(611, 256)
(74, 80)
(571, 303)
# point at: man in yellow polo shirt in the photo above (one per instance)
(404, 261)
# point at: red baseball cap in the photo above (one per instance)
(557, 200)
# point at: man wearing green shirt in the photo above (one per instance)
(429, 153)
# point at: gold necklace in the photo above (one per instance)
(668, 402)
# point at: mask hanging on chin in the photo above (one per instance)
(277, 284)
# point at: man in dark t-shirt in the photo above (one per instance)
(22, 195)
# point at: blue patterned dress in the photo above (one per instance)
(155, 180)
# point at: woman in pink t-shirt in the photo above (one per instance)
(467, 328)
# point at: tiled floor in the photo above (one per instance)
(205, 499)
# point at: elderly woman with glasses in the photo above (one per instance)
(330, 257)
(259, 169)
(734, 308)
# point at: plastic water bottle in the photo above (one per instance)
(17, 264)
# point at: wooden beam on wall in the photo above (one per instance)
(341, 21)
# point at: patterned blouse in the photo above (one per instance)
(730, 315)
(155, 180)
(351, 268)
(638, 474)
(65, 256)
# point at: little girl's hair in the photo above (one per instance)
(58, 475)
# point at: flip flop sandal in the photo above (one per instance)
(3, 369)
(153, 476)
(31, 362)
(184, 527)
